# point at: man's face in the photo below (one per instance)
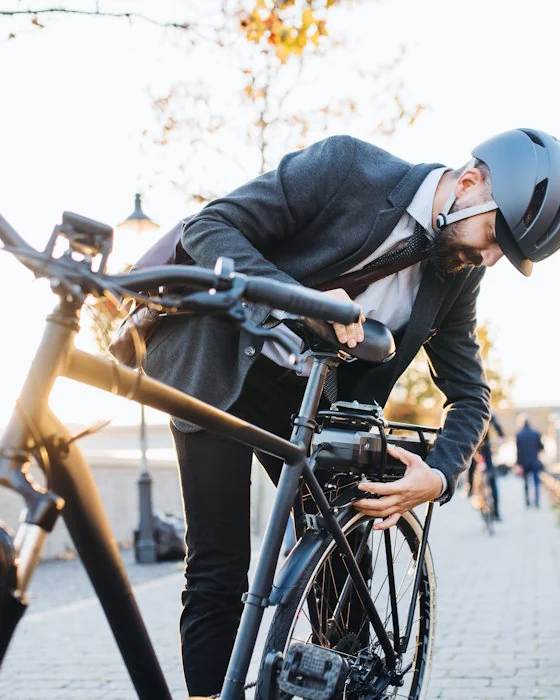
(470, 241)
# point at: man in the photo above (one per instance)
(529, 444)
(327, 210)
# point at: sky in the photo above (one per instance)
(76, 97)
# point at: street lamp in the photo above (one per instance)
(144, 544)
(138, 222)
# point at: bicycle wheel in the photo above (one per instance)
(488, 507)
(321, 612)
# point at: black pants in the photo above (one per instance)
(215, 481)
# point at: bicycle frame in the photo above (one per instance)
(33, 423)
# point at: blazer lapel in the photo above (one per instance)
(385, 221)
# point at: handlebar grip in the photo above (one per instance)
(300, 300)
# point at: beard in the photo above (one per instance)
(447, 254)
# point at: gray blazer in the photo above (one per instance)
(322, 211)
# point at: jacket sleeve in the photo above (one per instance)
(270, 209)
(456, 368)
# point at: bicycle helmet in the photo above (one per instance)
(525, 169)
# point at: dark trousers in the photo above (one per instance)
(534, 476)
(215, 481)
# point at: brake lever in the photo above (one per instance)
(219, 300)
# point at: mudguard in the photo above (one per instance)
(312, 541)
(299, 559)
(301, 556)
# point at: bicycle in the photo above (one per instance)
(348, 603)
(482, 495)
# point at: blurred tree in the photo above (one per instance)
(415, 398)
(105, 319)
(500, 384)
(291, 83)
(264, 77)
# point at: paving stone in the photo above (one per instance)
(496, 635)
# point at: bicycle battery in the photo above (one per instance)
(353, 437)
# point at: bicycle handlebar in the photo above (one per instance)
(261, 290)
(293, 298)
(300, 300)
(11, 237)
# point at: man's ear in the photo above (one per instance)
(471, 178)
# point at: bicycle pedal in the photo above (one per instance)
(313, 673)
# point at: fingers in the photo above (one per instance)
(352, 334)
(349, 335)
(383, 488)
(388, 522)
(403, 455)
(379, 507)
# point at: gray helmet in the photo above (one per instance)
(525, 169)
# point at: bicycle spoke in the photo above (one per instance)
(334, 616)
(386, 575)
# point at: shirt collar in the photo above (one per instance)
(422, 204)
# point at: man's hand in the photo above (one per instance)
(418, 485)
(347, 335)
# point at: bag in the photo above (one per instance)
(169, 536)
(143, 320)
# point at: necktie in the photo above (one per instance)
(355, 283)
(415, 249)
(416, 245)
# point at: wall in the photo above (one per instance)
(114, 458)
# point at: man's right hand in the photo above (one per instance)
(347, 335)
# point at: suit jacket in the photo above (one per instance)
(529, 444)
(322, 211)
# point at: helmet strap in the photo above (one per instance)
(444, 218)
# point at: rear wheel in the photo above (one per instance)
(488, 511)
(324, 610)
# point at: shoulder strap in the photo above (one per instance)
(354, 283)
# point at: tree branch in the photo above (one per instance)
(97, 13)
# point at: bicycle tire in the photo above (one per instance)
(488, 513)
(408, 530)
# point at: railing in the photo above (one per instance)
(552, 484)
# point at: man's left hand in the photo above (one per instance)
(418, 485)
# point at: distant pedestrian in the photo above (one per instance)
(529, 444)
(485, 451)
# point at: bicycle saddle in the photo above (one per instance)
(377, 346)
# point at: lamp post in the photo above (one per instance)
(144, 544)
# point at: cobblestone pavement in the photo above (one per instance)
(498, 630)
(498, 627)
